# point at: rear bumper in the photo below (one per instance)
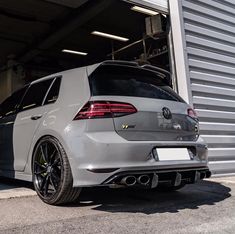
(96, 157)
(87, 178)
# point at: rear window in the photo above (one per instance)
(130, 81)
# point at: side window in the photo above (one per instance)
(54, 92)
(9, 106)
(35, 95)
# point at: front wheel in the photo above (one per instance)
(52, 176)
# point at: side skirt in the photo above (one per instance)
(17, 175)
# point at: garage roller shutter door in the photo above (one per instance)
(210, 46)
(161, 5)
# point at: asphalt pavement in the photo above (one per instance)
(207, 207)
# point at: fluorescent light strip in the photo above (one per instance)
(111, 36)
(144, 10)
(74, 52)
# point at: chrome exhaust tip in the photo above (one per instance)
(208, 174)
(143, 179)
(128, 180)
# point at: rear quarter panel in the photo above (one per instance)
(74, 93)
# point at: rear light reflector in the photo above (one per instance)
(192, 113)
(105, 109)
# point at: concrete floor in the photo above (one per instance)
(207, 207)
(13, 189)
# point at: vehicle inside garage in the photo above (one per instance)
(59, 35)
(41, 37)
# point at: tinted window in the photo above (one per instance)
(128, 81)
(10, 105)
(35, 95)
(54, 92)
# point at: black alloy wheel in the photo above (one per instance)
(47, 169)
(52, 174)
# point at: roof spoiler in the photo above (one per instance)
(120, 62)
(166, 74)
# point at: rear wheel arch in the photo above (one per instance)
(37, 141)
(64, 191)
(35, 146)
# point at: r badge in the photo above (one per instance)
(126, 126)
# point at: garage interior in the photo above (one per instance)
(56, 35)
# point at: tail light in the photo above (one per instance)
(192, 113)
(105, 109)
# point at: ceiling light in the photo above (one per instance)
(74, 52)
(111, 36)
(144, 10)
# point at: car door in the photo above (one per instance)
(30, 114)
(7, 119)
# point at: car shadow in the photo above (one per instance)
(141, 201)
(150, 202)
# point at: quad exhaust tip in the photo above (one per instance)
(143, 179)
(128, 180)
(203, 175)
(208, 174)
(132, 180)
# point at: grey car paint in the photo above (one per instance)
(102, 144)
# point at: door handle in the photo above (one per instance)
(36, 117)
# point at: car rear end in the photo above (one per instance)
(137, 131)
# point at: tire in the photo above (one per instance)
(52, 176)
(168, 188)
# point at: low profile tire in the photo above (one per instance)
(168, 188)
(52, 176)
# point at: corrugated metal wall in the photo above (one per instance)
(161, 3)
(210, 46)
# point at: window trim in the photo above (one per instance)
(17, 108)
(45, 98)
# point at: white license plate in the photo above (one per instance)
(171, 154)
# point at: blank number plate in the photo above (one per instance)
(171, 154)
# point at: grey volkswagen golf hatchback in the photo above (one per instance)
(113, 124)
